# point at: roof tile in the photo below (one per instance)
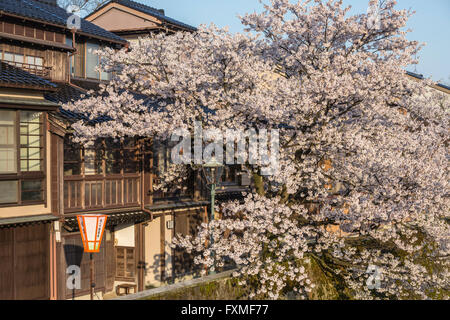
(153, 12)
(12, 75)
(52, 14)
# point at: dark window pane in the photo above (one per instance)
(31, 185)
(113, 167)
(131, 165)
(31, 190)
(72, 158)
(8, 191)
(107, 192)
(30, 116)
(71, 169)
(113, 192)
(87, 195)
(66, 194)
(32, 196)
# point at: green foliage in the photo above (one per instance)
(223, 289)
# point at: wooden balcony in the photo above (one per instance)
(97, 192)
(40, 71)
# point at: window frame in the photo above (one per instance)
(100, 75)
(125, 263)
(25, 58)
(21, 176)
(118, 190)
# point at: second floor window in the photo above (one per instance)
(103, 158)
(13, 57)
(92, 61)
(84, 63)
(21, 157)
(32, 64)
(104, 175)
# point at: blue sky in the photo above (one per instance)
(430, 24)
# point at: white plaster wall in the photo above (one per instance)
(153, 253)
(124, 236)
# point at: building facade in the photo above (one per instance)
(132, 20)
(46, 180)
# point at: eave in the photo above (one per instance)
(45, 43)
(27, 220)
(63, 28)
(26, 86)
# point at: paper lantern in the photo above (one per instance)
(91, 229)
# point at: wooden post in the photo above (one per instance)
(92, 284)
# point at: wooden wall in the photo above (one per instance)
(52, 58)
(24, 263)
(56, 174)
(28, 30)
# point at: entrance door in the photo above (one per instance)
(25, 263)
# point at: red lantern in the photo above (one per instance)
(91, 228)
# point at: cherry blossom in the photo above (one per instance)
(363, 165)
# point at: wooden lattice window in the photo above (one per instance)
(125, 263)
(22, 176)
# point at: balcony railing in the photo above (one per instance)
(93, 193)
(40, 71)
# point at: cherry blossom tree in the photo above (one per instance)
(362, 179)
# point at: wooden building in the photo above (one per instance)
(131, 20)
(40, 60)
(173, 212)
(27, 251)
(46, 180)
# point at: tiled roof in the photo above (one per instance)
(421, 77)
(415, 75)
(153, 12)
(14, 76)
(65, 93)
(443, 86)
(52, 14)
(23, 221)
(86, 84)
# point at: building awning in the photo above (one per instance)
(176, 205)
(35, 103)
(27, 220)
(114, 218)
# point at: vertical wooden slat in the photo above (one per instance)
(6, 264)
(32, 258)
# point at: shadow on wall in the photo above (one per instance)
(155, 268)
(178, 265)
